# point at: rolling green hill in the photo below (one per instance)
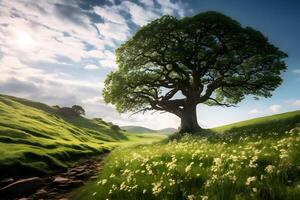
(36, 138)
(140, 129)
(260, 120)
(279, 123)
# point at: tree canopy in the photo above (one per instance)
(174, 64)
(78, 110)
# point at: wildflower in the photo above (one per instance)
(191, 197)
(171, 165)
(171, 182)
(102, 182)
(270, 169)
(254, 189)
(144, 191)
(122, 186)
(94, 193)
(156, 188)
(189, 167)
(135, 186)
(250, 179)
(204, 197)
(112, 176)
(217, 161)
(252, 162)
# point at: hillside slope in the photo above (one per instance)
(37, 138)
(274, 123)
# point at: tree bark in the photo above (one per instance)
(189, 121)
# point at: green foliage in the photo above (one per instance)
(259, 165)
(78, 109)
(37, 139)
(208, 58)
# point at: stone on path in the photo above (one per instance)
(22, 187)
(6, 181)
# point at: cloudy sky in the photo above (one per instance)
(59, 52)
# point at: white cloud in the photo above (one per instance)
(296, 103)
(91, 67)
(54, 32)
(108, 63)
(274, 108)
(254, 111)
(110, 14)
(296, 71)
(149, 3)
(93, 100)
(168, 7)
(119, 32)
(41, 84)
(140, 15)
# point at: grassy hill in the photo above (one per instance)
(36, 138)
(273, 119)
(253, 159)
(140, 129)
(279, 123)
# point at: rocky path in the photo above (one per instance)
(51, 187)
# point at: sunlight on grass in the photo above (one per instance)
(258, 166)
(36, 139)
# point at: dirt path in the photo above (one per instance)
(53, 187)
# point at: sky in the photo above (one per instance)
(60, 51)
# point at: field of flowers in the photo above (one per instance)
(251, 167)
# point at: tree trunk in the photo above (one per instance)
(189, 121)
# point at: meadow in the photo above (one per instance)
(37, 139)
(253, 159)
(227, 163)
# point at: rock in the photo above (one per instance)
(22, 187)
(60, 179)
(83, 175)
(53, 194)
(93, 177)
(40, 193)
(76, 170)
(76, 183)
(71, 184)
(6, 181)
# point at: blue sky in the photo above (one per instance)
(59, 52)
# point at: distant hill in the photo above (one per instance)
(140, 129)
(35, 137)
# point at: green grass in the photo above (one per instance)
(274, 122)
(36, 139)
(232, 164)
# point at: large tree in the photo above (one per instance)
(173, 65)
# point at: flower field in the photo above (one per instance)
(257, 166)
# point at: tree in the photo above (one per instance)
(78, 110)
(173, 65)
